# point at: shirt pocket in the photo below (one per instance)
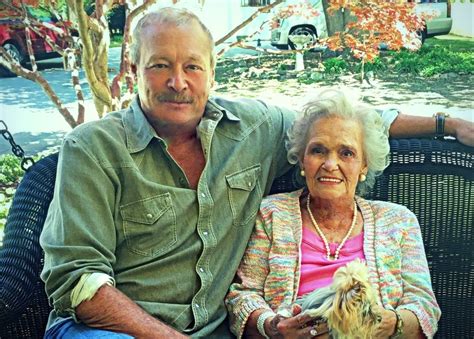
(245, 194)
(149, 225)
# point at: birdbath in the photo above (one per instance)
(300, 41)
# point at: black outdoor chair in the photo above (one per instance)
(435, 179)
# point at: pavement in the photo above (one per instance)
(31, 117)
(36, 124)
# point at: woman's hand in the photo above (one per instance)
(388, 323)
(297, 326)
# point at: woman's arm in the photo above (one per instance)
(245, 300)
(418, 300)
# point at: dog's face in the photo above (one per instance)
(353, 314)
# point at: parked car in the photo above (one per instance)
(13, 40)
(438, 13)
(311, 26)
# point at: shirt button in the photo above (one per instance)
(149, 215)
(201, 269)
(203, 195)
(250, 184)
(197, 306)
(205, 233)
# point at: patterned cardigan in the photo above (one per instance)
(269, 273)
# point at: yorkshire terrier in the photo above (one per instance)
(348, 305)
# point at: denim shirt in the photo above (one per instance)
(122, 206)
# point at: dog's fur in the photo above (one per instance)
(347, 304)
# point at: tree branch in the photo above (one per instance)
(125, 65)
(35, 76)
(265, 9)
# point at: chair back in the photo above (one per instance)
(435, 180)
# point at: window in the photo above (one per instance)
(254, 3)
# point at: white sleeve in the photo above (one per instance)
(388, 116)
(88, 285)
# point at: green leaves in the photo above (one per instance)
(10, 170)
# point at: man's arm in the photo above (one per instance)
(112, 310)
(406, 126)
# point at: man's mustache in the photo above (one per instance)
(175, 98)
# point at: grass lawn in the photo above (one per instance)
(451, 42)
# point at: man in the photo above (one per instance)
(154, 204)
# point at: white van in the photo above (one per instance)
(440, 21)
(315, 27)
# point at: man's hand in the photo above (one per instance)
(463, 130)
(112, 310)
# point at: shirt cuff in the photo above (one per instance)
(88, 285)
(388, 116)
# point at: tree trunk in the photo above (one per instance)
(335, 21)
(95, 39)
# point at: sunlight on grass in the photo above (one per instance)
(453, 44)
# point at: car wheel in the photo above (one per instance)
(422, 35)
(15, 53)
(302, 30)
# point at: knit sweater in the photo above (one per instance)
(269, 273)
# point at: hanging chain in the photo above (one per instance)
(26, 162)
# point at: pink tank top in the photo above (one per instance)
(316, 270)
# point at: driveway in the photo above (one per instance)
(36, 124)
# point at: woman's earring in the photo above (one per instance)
(362, 177)
(302, 173)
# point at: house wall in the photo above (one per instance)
(220, 16)
(463, 15)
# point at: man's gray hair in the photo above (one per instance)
(173, 15)
(334, 103)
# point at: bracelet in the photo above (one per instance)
(261, 322)
(398, 333)
(440, 119)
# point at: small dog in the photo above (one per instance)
(347, 305)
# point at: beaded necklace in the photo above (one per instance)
(321, 234)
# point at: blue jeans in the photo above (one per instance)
(68, 329)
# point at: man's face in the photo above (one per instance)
(174, 75)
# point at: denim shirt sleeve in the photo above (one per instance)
(285, 118)
(67, 233)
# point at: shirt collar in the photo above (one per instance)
(139, 132)
(212, 107)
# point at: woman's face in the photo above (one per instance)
(333, 158)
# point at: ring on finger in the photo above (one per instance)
(313, 332)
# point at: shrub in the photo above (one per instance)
(434, 60)
(335, 66)
(10, 175)
(10, 170)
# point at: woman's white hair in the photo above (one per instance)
(335, 103)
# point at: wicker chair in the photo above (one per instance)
(435, 179)
(24, 307)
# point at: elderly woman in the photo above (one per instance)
(301, 238)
